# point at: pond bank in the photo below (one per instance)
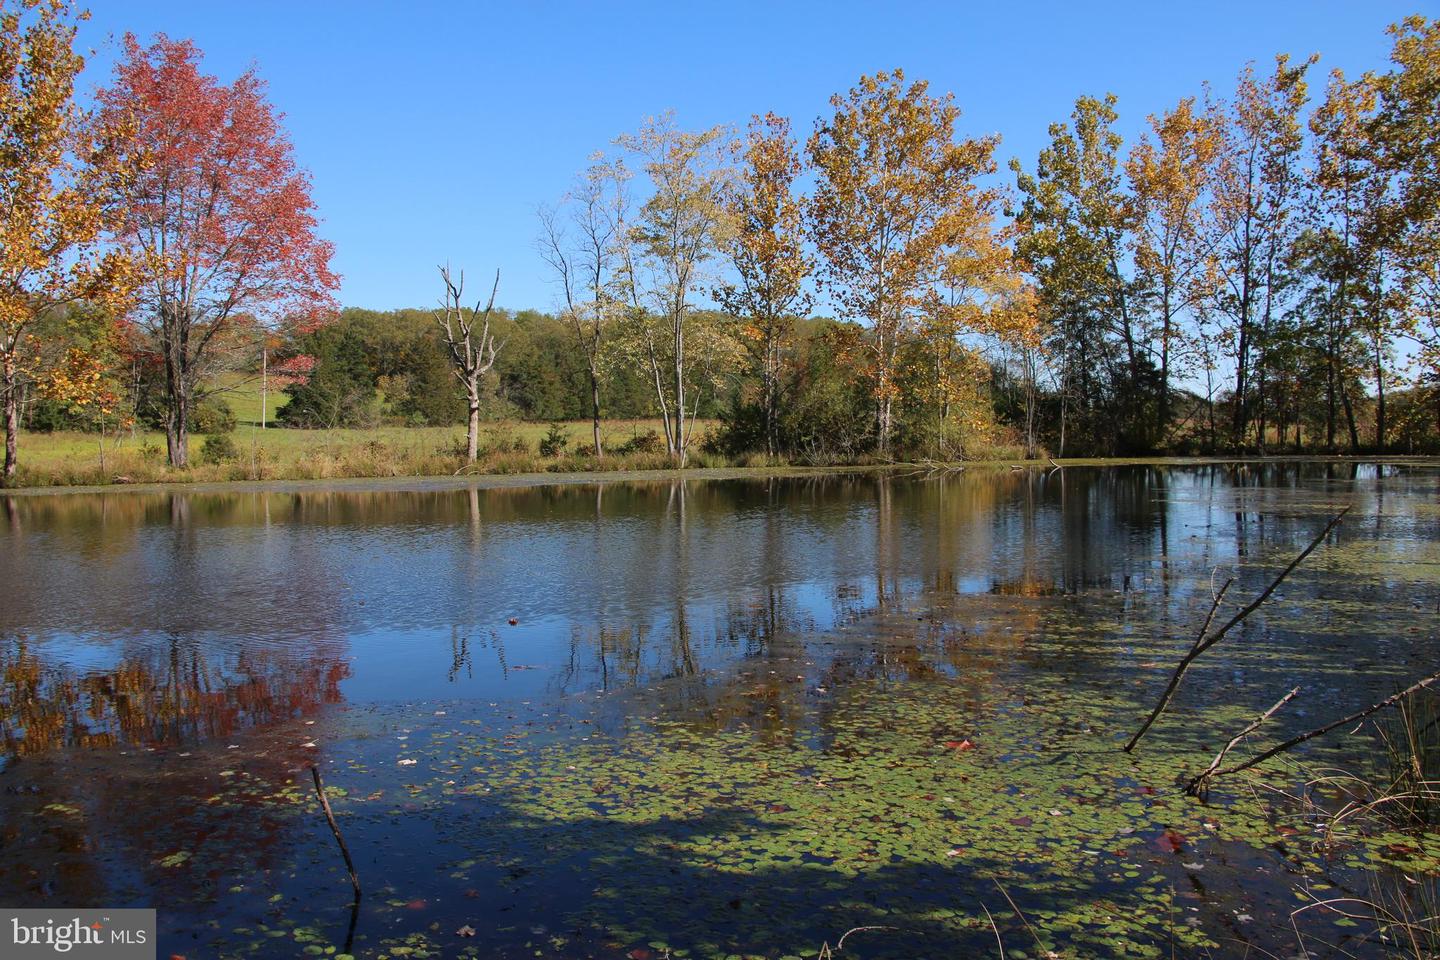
(487, 481)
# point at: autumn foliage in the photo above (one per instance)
(215, 212)
(897, 194)
(1255, 270)
(53, 217)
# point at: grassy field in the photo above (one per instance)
(69, 458)
(506, 448)
(279, 453)
(243, 394)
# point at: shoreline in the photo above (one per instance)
(482, 481)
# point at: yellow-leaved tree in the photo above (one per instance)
(766, 248)
(895, 194)
(678, 230)
(1169, 175)
(51, 220)
(1406, 146)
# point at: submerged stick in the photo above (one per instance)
(335, 829)
(1204, 642)
(1320, 731)
(1254, 725)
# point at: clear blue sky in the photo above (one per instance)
(433, 131)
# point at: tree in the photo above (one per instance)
(51, 219)
(218, 215)
(979, 293)
(1076, 231)
(1168, 182)
(1406, 141)
(1339, 251)
(471, 357)
(895, 192)
(766, 249)
(1254, 216)
(332, 382)
(83, 383)
(589, 265)
(678, 231)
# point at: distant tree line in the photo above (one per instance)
(1255, 272)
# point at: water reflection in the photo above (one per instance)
(168, 619)
(156, 695)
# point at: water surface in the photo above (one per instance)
(730, 718)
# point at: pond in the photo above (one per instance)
(734, 718)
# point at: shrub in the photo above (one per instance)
(501, 440)
(212, 415)
(648, 442)
(741, 430)
(219, 448)
(555, 441)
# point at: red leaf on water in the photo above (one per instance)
(639, 953)
(1170, 841)
(416, 905)
(961, 745)
(513, 621)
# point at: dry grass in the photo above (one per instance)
(71, 459)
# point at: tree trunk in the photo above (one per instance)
(12, 416)
(1162, 419)
(681, 440)
(1064, 408)
(175, 333)
(771, 389)
(1260, 423)
(1030, 388)
(884, 417)
(1330, 403)
(177, 429)
(882, 407)
(1350, 419)
(1379, 400)
(472, 426)
(658, 381)
(1239, 419)
(595, 408)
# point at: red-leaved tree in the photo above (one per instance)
(215, 212)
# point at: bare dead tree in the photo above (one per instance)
(471, 357)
